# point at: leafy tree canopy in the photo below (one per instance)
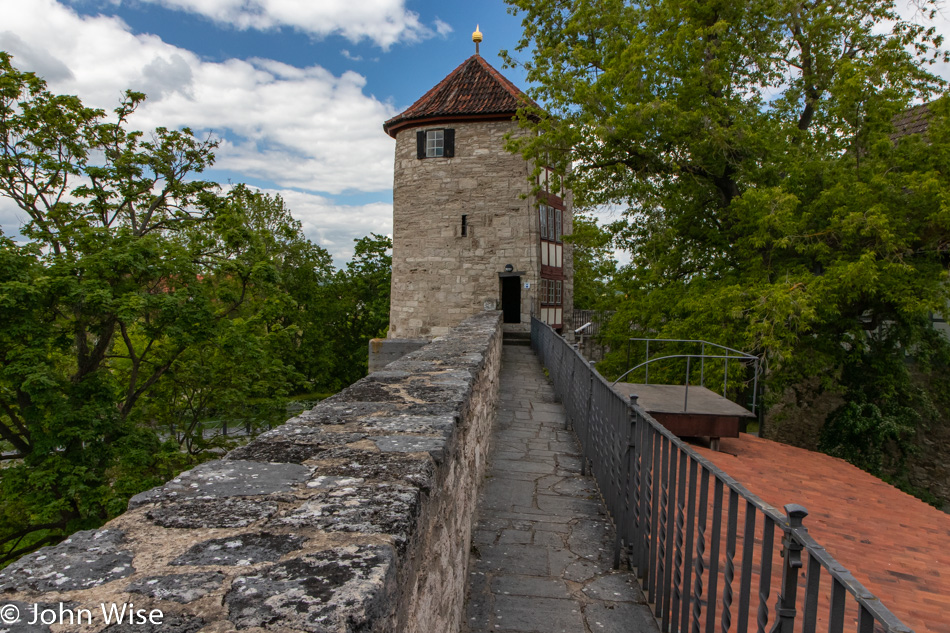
(139, 303)
(769, 206)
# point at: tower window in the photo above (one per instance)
(435, 143)
(464, 225)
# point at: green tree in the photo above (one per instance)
(360, 304)
(594, 264)
(243, 374)
(768, 206)
(137, 293)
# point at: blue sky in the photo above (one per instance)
(296, 90)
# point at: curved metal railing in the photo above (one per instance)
(678, 517)
(702, 356)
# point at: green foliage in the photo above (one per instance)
(769, 209)
(361, 296)
(861, 433)
(594, 263)
(141, 305)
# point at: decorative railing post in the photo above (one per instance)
(627, 457)
(568, 419)
(792, 553)
(590, 395)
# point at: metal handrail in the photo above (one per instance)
(739, 355)
(660, 493)
(696, 340)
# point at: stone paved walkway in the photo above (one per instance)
(542, 551)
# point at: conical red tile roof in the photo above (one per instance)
(473, 91)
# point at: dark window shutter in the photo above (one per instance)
(449, 143)
(420, 144)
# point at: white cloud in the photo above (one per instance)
(12, 218)
(335, 226)
(443, 28)
(917, 12)
(297, 127)
(384, 22)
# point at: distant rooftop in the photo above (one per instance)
(911, 121)
(473, 91)
(897, 546)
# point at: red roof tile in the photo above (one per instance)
(474, 90)
(895, 545)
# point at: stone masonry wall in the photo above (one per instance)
(439, 276)
(353, 516)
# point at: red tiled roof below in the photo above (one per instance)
(897, 546)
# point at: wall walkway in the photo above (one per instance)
(543, 546)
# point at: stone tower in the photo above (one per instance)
(468, 233)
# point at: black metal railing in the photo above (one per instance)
(718, 353)
(709, 554)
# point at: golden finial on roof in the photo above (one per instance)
(476, 37)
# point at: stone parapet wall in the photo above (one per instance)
(353, 516)
(383, 351)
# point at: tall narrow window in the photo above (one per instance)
(557, 220)
(557, 294)
(552, 234)
(464, 226)
(543, 212)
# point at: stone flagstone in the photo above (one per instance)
(542, 547)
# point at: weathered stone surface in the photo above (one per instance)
(371, 509)
(337, 412)
(15, 617)
(86, 559)
(617, 587)
(369, 391)
(226, 478)
(330, 591)
(433, 424)
(383, 351)
(396, 467)
(207, 513)
(182, 588)
(551, 615)
(292, 445)
(620, 618)
(170, 624)
(411, 444)
(243, 549)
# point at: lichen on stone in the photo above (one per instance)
(243, 549)
(86, 559)
(183, 588)
(211, 513)
(342, 589)
(366, 508)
